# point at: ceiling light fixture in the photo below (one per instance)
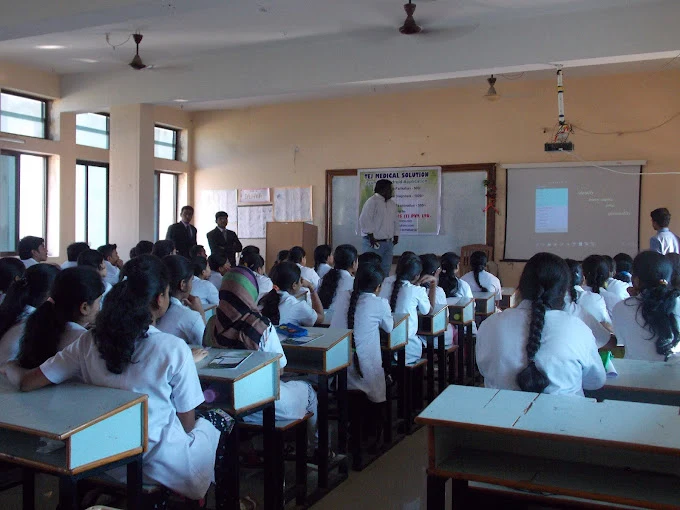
(86, 60)
(50, 47)
(180, 100)
(491, 94)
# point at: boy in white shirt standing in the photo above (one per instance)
(664, 241)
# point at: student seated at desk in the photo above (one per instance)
(255, 263)
(281, 306)
(323, 259)
(596, 273)
(587, 306)
(73, 251)
(405, 295)
(298, 255)
(240, 325)
(648, 324)
(341, 277)
(126, 351)
(479, 279)
(280, 257)
(219, 265)
(163, 248)
(23, 297)
(624, 268)
(112, 262)
(364, 312)
(62, 319)
(615, 286)
(95, 260)
(185, 317)
(11, 269)
(431, 267)
(370, 257)
(201, 287)
(537, 347)
(456, 289)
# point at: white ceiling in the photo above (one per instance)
(213, 52)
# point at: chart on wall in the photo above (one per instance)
(212, 201)
(417, 192)
(293, 204)
(253, 221)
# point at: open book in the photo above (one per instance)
(229, 360)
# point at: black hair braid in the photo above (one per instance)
(328, 287)
(270, 306)
(448, 280)
(398, 284)
(656, 308)
(531, 378)
(352, 307)
(476, 271)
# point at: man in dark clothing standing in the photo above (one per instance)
(222, 241)
(183, 233)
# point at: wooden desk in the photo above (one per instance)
(510, 298)
(101, 428)
(653, 382)
(324, 356)
(431, 326)
(617, 452)
(485, 304)
(391, 343)
(462, 315)
(250, 387)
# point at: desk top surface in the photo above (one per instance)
(398, 318)
(639, 375)
(252, 363)
(642, 426)
(61, 410)
(508, 291)
(329, 337)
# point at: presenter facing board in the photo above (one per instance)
(379, 223)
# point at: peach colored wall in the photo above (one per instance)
(257, 146)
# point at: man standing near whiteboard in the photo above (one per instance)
(379, 223)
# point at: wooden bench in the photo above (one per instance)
(413, 372)
(431, 326)
(152, 494)
(623, 453)
(299, 492)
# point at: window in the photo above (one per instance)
(165, 143)
(92, 129)
(23, 115)
(92, 203)
(23, 199)
(165, 198)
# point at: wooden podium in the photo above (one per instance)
(283, 235)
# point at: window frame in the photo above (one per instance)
(87, 164)
(46, 109)
(17, 197)
(97, 131)
(175, 142)
(157, 201)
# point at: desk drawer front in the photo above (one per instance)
(433, 324)
(485, 302)
(462, 314)
(398, 336)
(256, 388)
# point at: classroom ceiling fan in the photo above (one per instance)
(410, 26)
(136, 62)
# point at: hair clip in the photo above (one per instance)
(124, 278)
(50, 300)
(276, 288)
(663, 282)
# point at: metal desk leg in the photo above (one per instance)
(301, 465)
(436, 493)
(401, 383)
(273, 486)
(430, 368)
(387, 426)
(28, 478)
(68, 493)
(229, 492)
(459, 494)
(322, 424)
(461, 354)
(134, 484)
(471, 355)
(342, 417)
(441, 353)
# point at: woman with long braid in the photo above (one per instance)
(479, 279)
(406, 295)
(649, 323)
(537, 347)
(341, 277)
(596, 274)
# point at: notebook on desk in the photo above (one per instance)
(229, 360)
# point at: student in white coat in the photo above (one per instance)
(479, 279)
(23, 297)
(587, 306)
(95, 260)
(73, 251)
(341, 278)
(126, 351)
(323, 259)
(32, 250)
(537, 347)
(11, 269)
(281, 306)
(648, 324)
(596, 274)
(219, 265)
(201, 287)
(406, 295)
(240, 325)
(617, 287)
(112, 262)
(624, 268)
(432, 267)
(456, 289)
(184, 318)
(255, 263)
(298, 255)
(62, 319)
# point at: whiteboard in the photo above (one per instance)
(463, 219)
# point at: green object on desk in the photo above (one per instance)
(606, 357)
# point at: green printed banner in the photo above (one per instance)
(417, 193)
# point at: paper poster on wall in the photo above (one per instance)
(293, 204)
(252, 221)
(212, 201)
(258, 196)
(417, 192)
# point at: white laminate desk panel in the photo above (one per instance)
(462, 313)
(324, 355)
(485, 303)
(398, 337)
(435, 322)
